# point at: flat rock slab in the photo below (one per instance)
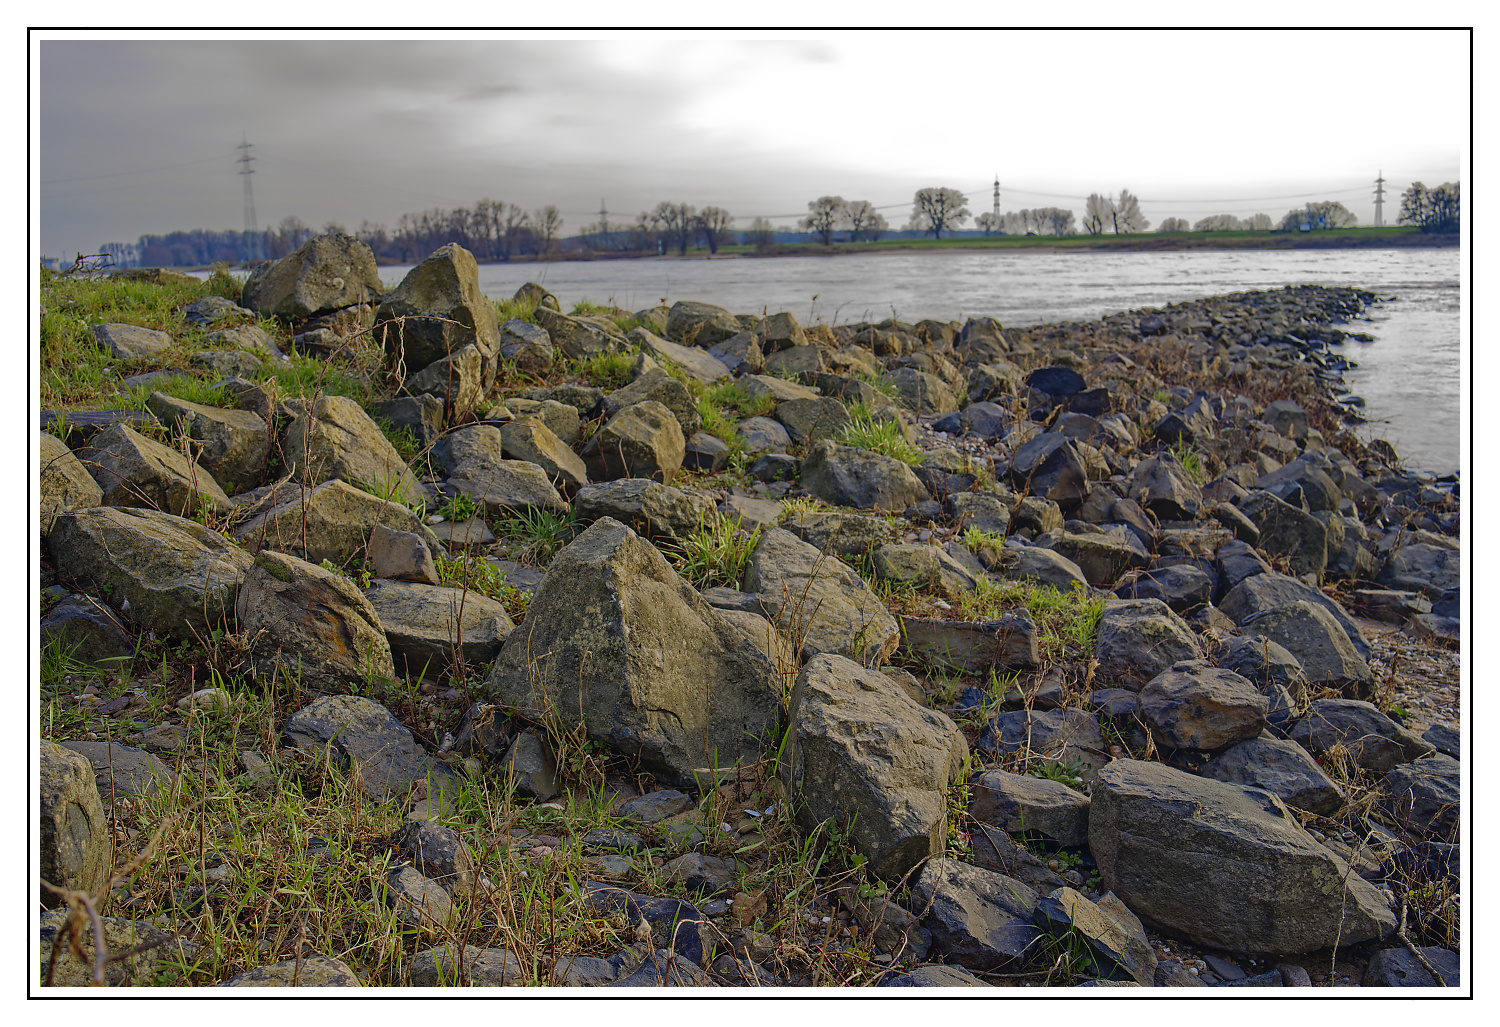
(1398, 968)
(427, 626)
(1021, 804)
(1226, 866)
(121, 770)
(654, 807)
(972, 647)
(1115, 937)
(331, 521)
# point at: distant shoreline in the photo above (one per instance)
(1143, 242)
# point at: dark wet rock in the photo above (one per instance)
(1137, 640)
(1423, 797)
(937, 976)
(674, 924)
(1182, 587)
(1282, 768)
(437, 852)
(1398, 968)
(1019, 803)
(1288, 532)
(1318, 641)
(532, 765)
(1194, 706)
(979, 919)
(1117, 942)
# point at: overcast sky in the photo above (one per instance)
(140, 136)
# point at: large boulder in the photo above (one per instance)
(643, 440)
(335, 438)
(430, 628)
(618, 643)
(1288, 532)
(1260, 592)
(1226, 866)
(133, 470)
(1310, 633)
(325, 274)
(332, 521)
(1281, 767)
(847, 476)
(700, 324)
(180, 578)
(579, 338)
(233, 444)
(436, 311)
(1139, 639)
(75, 838)
(310, 623)
(65, 483)
(818, 601)
(866, 756)
(1161, 485)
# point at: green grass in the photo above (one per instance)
(535, 535)
(716, 553)
(885, 437)
(1192, 461)
(607, 371)
(485, 578)
(1067, 622)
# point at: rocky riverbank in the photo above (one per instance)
(462, 642)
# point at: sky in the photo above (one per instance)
(140, 136)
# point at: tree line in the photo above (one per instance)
(494, 230)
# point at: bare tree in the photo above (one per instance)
(1060, 221)
(935, 209)
(1173, 225)
(1258, 223)
(827, 212)
(1431, 210)
(1319, 215)
(761, 233)
(714, 222)
(675, 222)
(546, 223)
(1217, 223)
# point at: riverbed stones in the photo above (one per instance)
(1224, 865)
(429, 627)
(1194, 706)
(527, 438)
(1431, 570)
(133, 470)
(179, 578)
(1118, 946)
(818, 601)
(502, 487)
(1050, 466)
(863, 752)
(1061, 736)
(644, 440)
(436, 311)
(1310, 633)
(400, 555)
(1259, 592)
(1163, 486)
(475, 968)
(847, 476)
(74, 836)
(233, 444)
(332, 521)
(530, 764)
(617, 641)
(65, 483)
(812, 420)
(311, 624)
(88, 630)
(1264, 664)
(1139, 639)
(138, 953)
(1287, 532)
(1331, 722)
(323, 275)
(1102, 556)
(695, 361)
(1398, 968)
(528, 346)
(655, 384)
(979, 919)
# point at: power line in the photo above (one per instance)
(139, 171)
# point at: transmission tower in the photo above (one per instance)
(997, 201)
(1379, 198)
(246, 171)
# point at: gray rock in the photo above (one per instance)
(531, 762)
(1062, 736)
(924, 394)
(847, 476)
(655, 384)
(1444, 738)
(703, 875)
(1288, 532)
(1398, 968)
(763, 435)
(400, 555)
(1266, 665)
(664, 969)
(437, 310)
(1161, 485)
(332, 521)
(527, 438)
(139, 954)
(504, 486)
(311, 623)
(1311, 634)
(840, 533)
(417, 902)
(127, 342)
(1050, 466)
(675, 925)
(978, 918)
(88, 630)
(74, 837)
(308, 972)
(601, 624)
(1423, 797)
(1282, 768)
(1259, 592)
(364, 736)
(1428, 569)
(65, 483)
(939, 976)
(133, 470)
(1137, 640)
(649, 508)
(1102, 557)
(819, 602)
(1019, 803)
(925, 568)
(1182, 587)
(457, 378)
(1224, 865)
(993, 849)
(861, 750)
(337, 439)
(325, 274)
(437, 853)
(180, 578)
(1195, 706)
(1237, 561)
(1331, 722)
(476, 968)
(121, 770)
(643, 440)
(812, 420)
(234, 444)
(695, 361)
(987, 511)
(973, 647)
(700, 324)
(1117, 942)
(1032, 563)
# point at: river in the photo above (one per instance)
(1409, 376)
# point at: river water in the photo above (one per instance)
(1409, 376)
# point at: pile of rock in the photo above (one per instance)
(1209, 521)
